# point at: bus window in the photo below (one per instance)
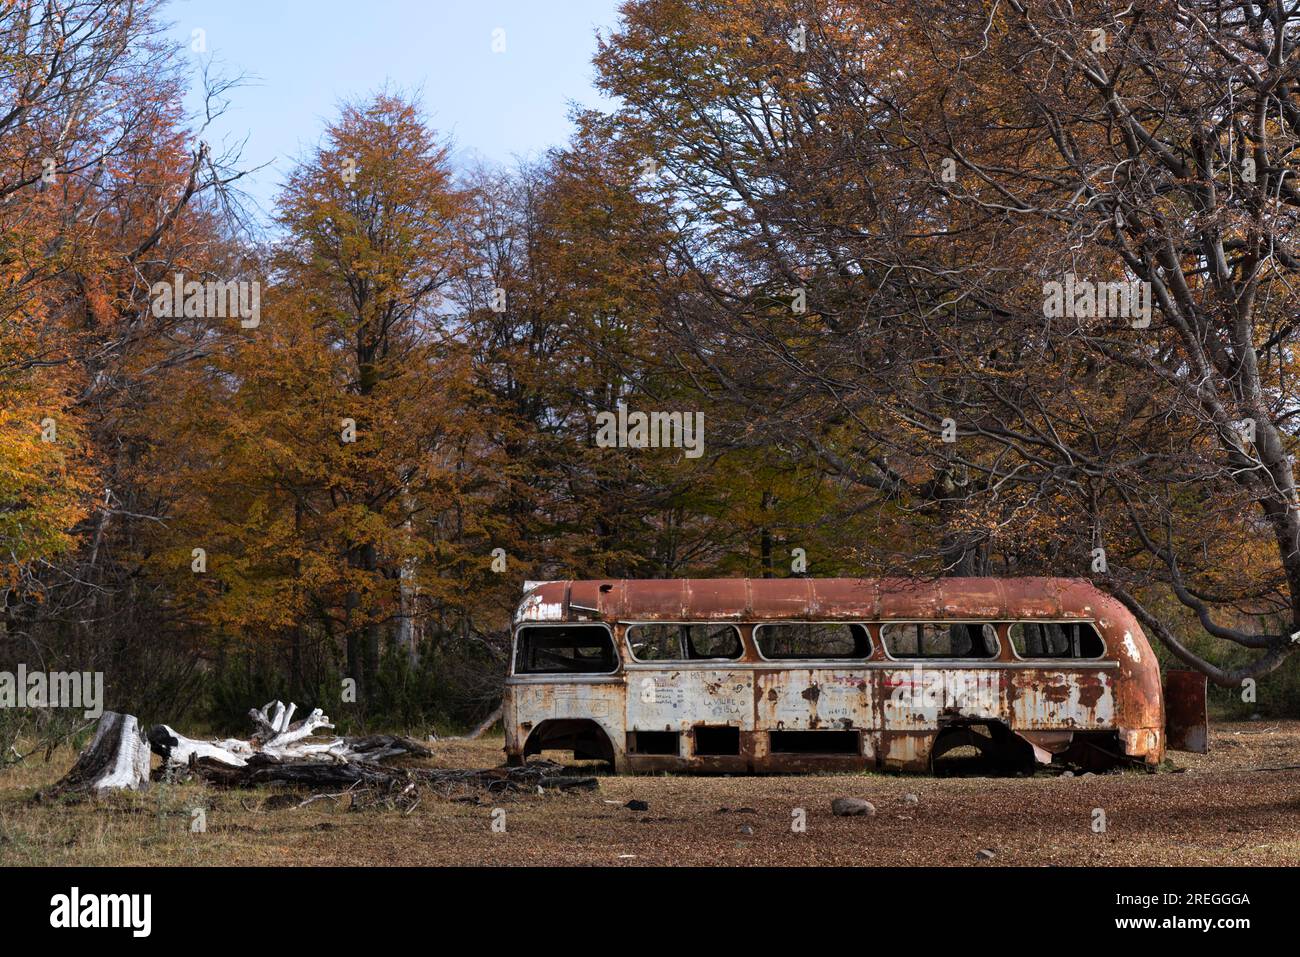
(684, 642)
(935, 639)
(802, 639)
(565, 649)
(1055, 639)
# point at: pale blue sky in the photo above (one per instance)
(305, 56)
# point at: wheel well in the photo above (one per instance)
(584, 737)
(998, 750)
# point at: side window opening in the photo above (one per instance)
(567, 649)
(1056, 639)
(680, 641)
(713, 641)
(936, 639)
(801, 639)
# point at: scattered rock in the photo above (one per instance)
(852, 807)
(911, 799)
(746, 830)
(1089, 774)
(986, 854)
(635, 805)
(1067, 774)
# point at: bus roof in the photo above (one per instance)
(868, 599)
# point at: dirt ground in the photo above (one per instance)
(1220, 810)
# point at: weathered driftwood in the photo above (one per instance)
(116, 758)
(280, 752)
(381, 747)
(119, 755)
(278, 737)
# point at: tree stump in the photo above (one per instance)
(117, 758)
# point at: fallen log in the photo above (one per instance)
(278, 736)
(268, 769)
(381, 747)
(486, 723)
(483, 725)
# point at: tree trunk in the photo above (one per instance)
(117, 758)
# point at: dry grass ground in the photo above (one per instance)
(1219, 812)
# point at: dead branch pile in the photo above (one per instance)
(452, 783)
(281, 740)
(281, 752)
(538, 776)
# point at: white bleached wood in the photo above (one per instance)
(287, 735)
(231, 751)
(130, 764)
(278, 736)
(119, 755)
(117, 758)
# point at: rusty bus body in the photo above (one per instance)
(776, 675)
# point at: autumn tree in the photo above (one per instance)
(105, 186)
(323, 454)
(918, 179)
(557, 321)
(577, 250)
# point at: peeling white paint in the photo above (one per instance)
(1039, 706)
(1131, 648)
(533, 608)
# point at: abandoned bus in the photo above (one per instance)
(769, 675)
